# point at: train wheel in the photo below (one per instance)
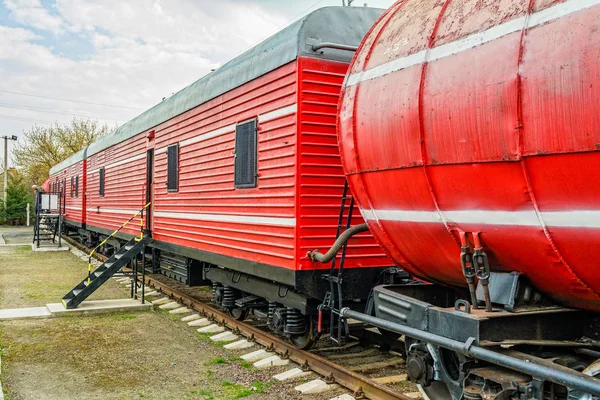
(436, 391)
(238, 313)
(308, 339)
(422, 363)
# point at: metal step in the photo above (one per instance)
(103, 273)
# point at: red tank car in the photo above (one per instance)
(469, 136)
(481, 117)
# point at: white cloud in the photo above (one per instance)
(131, 53)
(142, 52)
(16, 46)
(32, 13)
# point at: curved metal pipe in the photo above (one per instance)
(331, 45)
(344, 237)
(572, 379)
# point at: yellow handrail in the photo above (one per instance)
(141, 211)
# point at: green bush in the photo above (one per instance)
(18, 195)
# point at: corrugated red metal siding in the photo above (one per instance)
(58, 184)
(74, 204)
(207, 212)
(124, 185)
(83, 190)
(320, 174)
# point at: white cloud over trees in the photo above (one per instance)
(130, 53)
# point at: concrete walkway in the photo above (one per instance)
(23, 236)
(92, 307)
(22, 313)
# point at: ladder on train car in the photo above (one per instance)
(333, 301)
(48, 218)
(118, 260)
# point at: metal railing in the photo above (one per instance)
(140, 212)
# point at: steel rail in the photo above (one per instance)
(333, 373)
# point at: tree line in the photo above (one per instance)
(36, 151)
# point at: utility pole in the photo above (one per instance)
(6, 138)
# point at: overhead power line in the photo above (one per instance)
(26, 119)
(58, 111)
(70, 100)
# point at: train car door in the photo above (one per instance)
(149, 187)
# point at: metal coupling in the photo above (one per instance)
(482, 266)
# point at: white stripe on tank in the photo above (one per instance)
(471, 41)
(558, 219)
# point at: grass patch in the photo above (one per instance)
(203, 336)
(236, 391)
(201, 393)
(29, 278)
(126, 316)
(215, 361)
(61, 346)
(246, 364)
(2, 352)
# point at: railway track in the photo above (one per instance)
(366, 366)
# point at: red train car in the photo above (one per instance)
(68, 178)
(243, 172)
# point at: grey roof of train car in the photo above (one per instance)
(343, 25)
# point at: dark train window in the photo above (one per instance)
(246, 157)
(101, 174)
(77, 186)
(72, 186)
(173, 168)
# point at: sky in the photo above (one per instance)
(110, 60)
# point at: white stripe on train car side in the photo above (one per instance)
(111, 210)
(240, 219)
(207, 135)
(127, 160)
(281, 112)
(271, 115)
(469, 42)
(557, 219)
